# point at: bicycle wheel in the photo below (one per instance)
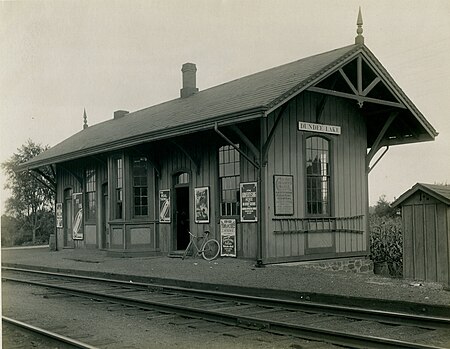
(211, 250)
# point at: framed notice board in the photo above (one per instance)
(249, 206)
(201, 205)
(283, 191)
(77, 218)
(228, 237)
(164, 206)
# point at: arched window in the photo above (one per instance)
(182, 178)
(317, 176)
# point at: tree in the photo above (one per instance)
(32, 196)
(383, 208)
(9, 227)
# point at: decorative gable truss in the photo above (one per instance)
(390, 116)
(359, 81)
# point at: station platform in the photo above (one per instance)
(292, 280)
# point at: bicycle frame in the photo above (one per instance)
(201, 250)
(193, 244)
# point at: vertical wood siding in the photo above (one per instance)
(426, 240)
(348, 175)
(204, 149)
(66, 180)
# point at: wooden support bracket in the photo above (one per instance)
(189, 156)
(246, 141)
(77, 177)
(377, 144)
(47, 177)
(51, 186)
(269, 139)
(216, 129)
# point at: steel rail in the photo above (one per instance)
(332, 336)
(49, 334)
(398, 318)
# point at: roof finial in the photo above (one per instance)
(85, 124)
(359, 39)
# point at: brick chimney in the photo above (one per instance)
(118, 114)
(189, 80)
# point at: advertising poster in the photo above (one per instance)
(284, 194)
(59, 215)
(248, 202)
(228, 237)
(164, 206)
(77, 220)
(201, 205)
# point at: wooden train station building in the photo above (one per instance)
(274, 164)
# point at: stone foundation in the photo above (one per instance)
(351, 265)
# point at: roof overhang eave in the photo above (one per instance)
(414, 189)
(223, 120)
(312, 80)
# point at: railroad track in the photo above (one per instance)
(341, 325)
(45, 337)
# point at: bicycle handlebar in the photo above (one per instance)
(206, 232)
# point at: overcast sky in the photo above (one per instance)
(59, 57)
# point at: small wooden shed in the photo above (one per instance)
(426, 232)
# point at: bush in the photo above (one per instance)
(386, 242)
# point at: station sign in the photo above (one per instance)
(320, 128)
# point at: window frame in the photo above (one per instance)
(87, 194)
(329, 175)
(115, 188)
(237, 184)
(133, 187)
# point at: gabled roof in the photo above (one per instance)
(242, 99)
(439, 192)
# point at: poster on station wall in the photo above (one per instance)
(77, 219)
(59, 215)
(284, 194)
(164, 206)
(248, 202)
(228, 237)
(201, 205)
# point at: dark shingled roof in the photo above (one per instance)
(438, 191)
(241, 99)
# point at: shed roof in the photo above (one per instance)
(438, 191)
(249, 97)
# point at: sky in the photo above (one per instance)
(59, 57)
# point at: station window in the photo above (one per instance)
(229, 176)
(183, 178)
(91, 207)
(118, 163)
(317, 176)
(140, 186)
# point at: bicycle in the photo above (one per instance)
(209, 249)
